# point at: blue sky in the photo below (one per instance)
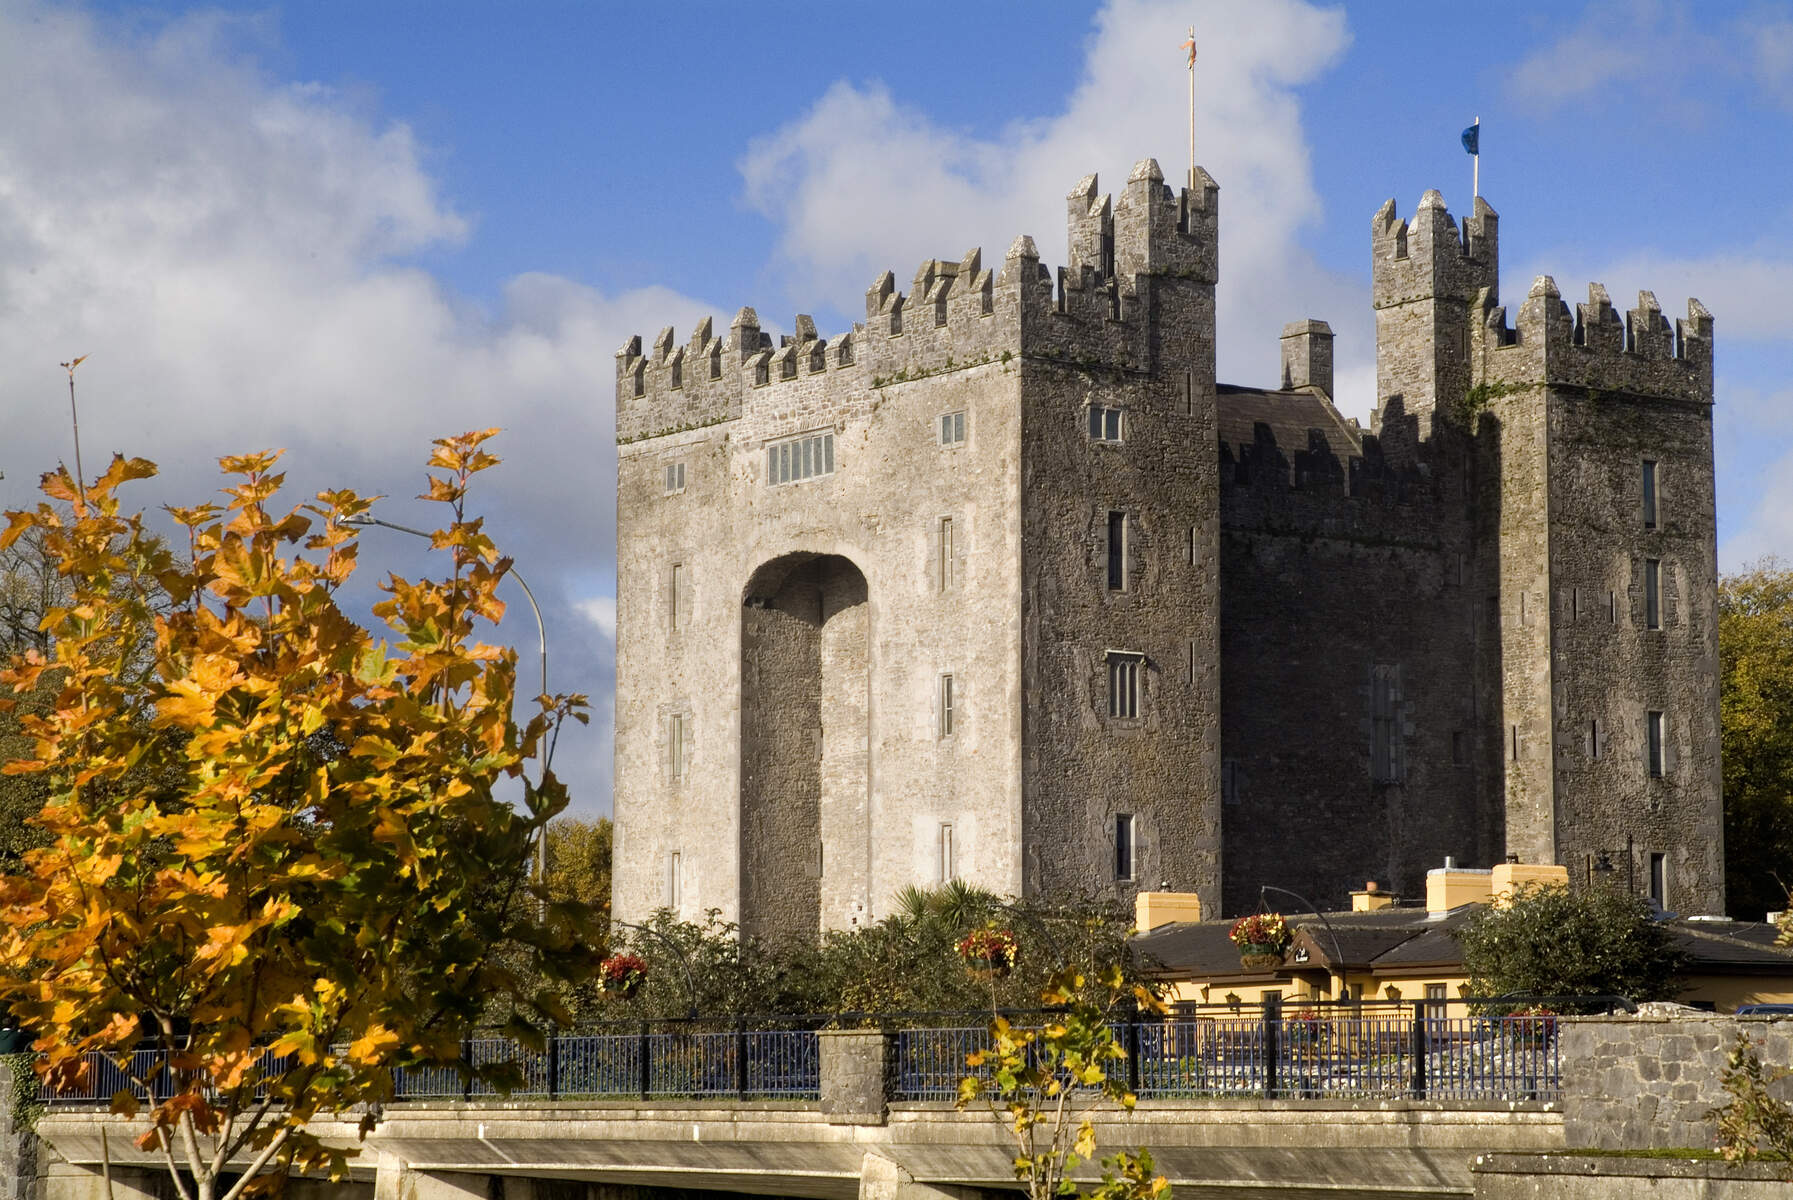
(344, 228)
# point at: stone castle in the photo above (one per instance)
(1002, 585)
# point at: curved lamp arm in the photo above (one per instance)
(678, 952)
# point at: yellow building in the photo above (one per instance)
(1385, 949)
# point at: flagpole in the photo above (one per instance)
(1192, 106)
(1476, 171)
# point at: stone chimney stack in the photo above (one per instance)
(1307, 356)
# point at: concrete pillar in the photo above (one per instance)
(882, 1178)
(858, 1069)
(393, 1180)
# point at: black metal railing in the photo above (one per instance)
(1424, 1049)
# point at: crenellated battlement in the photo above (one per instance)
(1125, 254)
(1431, 257)
(1640, 354)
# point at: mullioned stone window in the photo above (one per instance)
(807, 457)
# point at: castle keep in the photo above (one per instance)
(1001, 585)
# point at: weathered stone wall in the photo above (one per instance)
(1637, 1083)
(880, 392)
(1083, 766)
(1580, 404)
(1340, 613)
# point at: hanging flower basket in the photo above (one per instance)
(989, 950)
(1261, 938)
(621, 975)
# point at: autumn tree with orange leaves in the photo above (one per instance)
(287, 854)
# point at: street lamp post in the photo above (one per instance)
(541, 632)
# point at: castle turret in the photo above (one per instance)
(1426, 278)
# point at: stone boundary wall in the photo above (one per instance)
(1581, 1177)
(1646, 1082)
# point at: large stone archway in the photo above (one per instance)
(805, 784)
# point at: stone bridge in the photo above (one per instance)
(1628, 1083)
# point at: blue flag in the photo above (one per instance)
(1472, 140)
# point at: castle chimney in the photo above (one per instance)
(1307, 356)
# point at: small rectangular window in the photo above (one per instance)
(1188, 393)
(1515, 743)
(946, 852)
(1594, 739)
(1659, 880)
(1574, 603)
(1612, 608)
(675, 882)
(946, 706)
(946, 554)
(1190, 675)
(1104, 423)
(1652, 594)
(801, 458)
(675, 477)
(1123, 846)
(1190, 549)
(675, 746)
(675, 596)
(1649, 494)
(1117, 551)
(952, 429)
(1123, 686)
(1655, 733)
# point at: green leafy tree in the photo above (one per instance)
(1552, 941)
(1755, 644)
(281, 851)
(579, 869)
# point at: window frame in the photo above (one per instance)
(945, 535)
(1117, 550)
(801, 458)
(1652, 490)
(1126, 848)
(1655, 743)
(944, 697)
(1652, 593)
(1126, 688)
(954, 429)
(945, 866)
(1099, 419)
(675, 470)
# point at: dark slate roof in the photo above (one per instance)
(1406, 938)
(1734, 944)
(1287, 418)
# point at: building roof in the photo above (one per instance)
(1302, 421)
(1400, 940)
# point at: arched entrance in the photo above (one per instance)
(804, 768)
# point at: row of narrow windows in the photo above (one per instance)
(946, 859)
(1593, 743)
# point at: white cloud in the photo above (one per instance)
(600, 611)
(1672, 48)
(227, 249)
(863, 181)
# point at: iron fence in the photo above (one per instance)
(1422, 1049)
(1337, 1051)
